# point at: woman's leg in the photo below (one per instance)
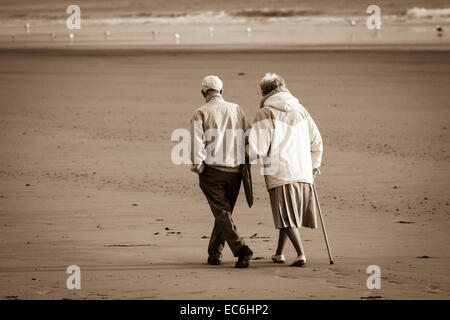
(281, 241)
(294, 236)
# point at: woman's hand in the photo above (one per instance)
(316, 172)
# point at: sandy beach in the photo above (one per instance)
(86, 176)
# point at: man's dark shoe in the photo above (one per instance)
(214, 261)
(244, 256)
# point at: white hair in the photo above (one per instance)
(270, 82)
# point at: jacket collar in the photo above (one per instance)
(213, 95)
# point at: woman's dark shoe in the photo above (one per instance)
(244, 256)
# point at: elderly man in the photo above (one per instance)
(218, 167)
(285, 134)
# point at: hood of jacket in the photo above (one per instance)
(283, 101)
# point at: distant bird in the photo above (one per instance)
(27, 28)
(439, 30)
(211, 31)
(249, 32)
(352, 22)
(13, 37)
(107, 34)
(52, 35)
(71, 37)
(177, 38)
(154, 34)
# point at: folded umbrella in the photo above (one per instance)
(247, 181)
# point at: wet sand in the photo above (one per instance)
(86, 176)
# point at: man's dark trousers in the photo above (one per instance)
(221, 190)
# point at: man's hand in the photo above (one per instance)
(316, 172)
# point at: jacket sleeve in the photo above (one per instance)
(316, 143)
(198, 142)
(244, 125)
(260, 137)
(243, 119)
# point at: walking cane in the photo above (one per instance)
(323, 224)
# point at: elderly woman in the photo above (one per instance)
(285, 136)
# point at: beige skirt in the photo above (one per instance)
(294, 205)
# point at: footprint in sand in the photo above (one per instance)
(287, 276)
(337, 272)
(431, 292)
(371, 298)
(284, 274)
(431, 289)
(395, 282)
(343, 287)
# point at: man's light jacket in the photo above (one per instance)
(218, 134)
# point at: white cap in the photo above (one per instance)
(212, 82)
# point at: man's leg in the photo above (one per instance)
(216, 193)
(233, 185)
(216, 244)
